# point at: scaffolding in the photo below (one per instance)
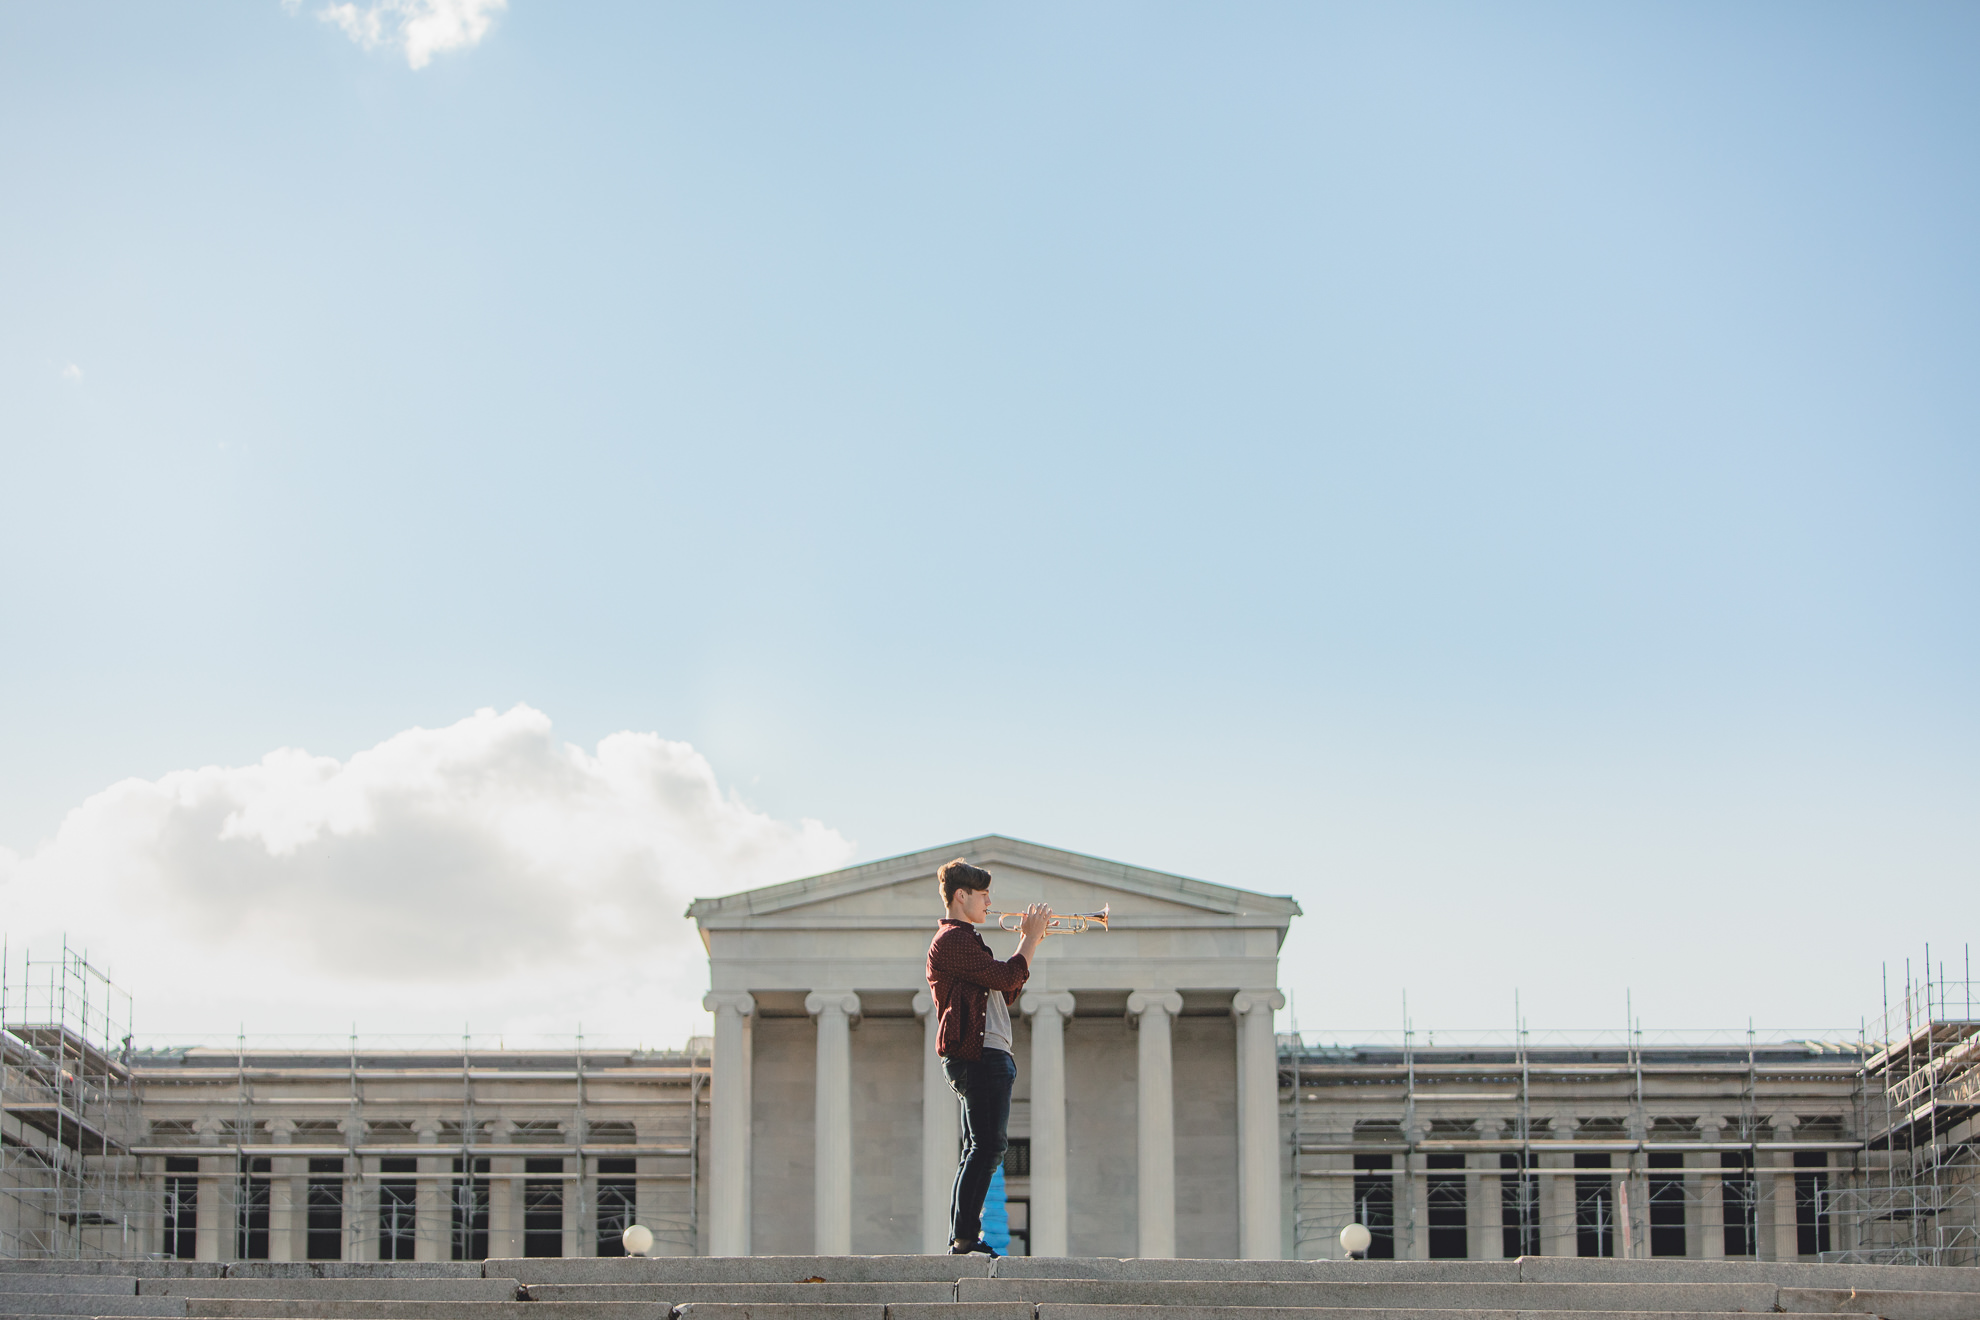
(1498, 1144)
(392, 1148)
(1919, 1201)
(70, 1185)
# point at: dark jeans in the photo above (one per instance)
(985, 1086)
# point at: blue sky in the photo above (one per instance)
(1505, 476)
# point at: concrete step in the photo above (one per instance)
(1530, 1269)
(965, 1311)
(868, 1311)
(260, 1308)
(359, 1269)
(1787, 1274)
(142, 1269)
(1075, 1311)
(676, 1294)
(1890, 1305)
(79, 1303)
(1263, 1271)
(124, 1285)
(386, 1289)
(1689, 1297)
(742, 1269)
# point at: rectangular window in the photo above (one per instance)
(1017, 1210)
(1447, 1201)
(1666, 1204)
(1811, 1203)
(1594, 1209)
(1741, 1206)
(468, 1230)
(325, 1239)
(618, 1203)
(1017, 1158)
(251, 1211)
(543, 1209)
(1375, 1203)
(398, 1199)
(181, 1208)
(1519, 1207)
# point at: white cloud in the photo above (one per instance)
(72, 373)
(482, 872)
(420, 28)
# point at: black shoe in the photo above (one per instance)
(976, 1248)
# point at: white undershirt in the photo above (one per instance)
(997, 1023)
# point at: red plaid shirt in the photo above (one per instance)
(961, 974)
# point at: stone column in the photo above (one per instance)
(1692, 1244)
(941, 1133)
(1786, 1239)
(283, 1204)
(1787, 1244)
(1490, 1204)
(832, 1125)
(1155, 1112)
(1711, 1195)
(1558, 1233)
(432, 1223)
(1048, 1011)
(1489, 1201)
(1476, 1230)
(360, 1204)
(505, 1205)
(1413, 1225)
(1258, 1124)
(728, 1125)
(580, 1206)
(213, 1232)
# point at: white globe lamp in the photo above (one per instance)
(1355, 1239)
(638, 1240)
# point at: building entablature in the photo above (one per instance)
(866, 928)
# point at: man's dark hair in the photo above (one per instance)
(960, 875)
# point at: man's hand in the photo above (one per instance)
(1032, 927)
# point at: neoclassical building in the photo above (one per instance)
(1146, 1118)
(1155, 1113)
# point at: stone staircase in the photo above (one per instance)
(976, 1288)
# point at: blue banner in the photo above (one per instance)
(996, 1217)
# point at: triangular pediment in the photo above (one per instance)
(901, 891)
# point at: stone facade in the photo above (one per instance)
(1649, 1150)
(417, 1156)
(1136, 1049)
(1162, 1115)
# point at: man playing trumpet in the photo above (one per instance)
(973, 996)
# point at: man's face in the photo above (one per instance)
(971, 905)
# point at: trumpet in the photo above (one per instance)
(1062, 923)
